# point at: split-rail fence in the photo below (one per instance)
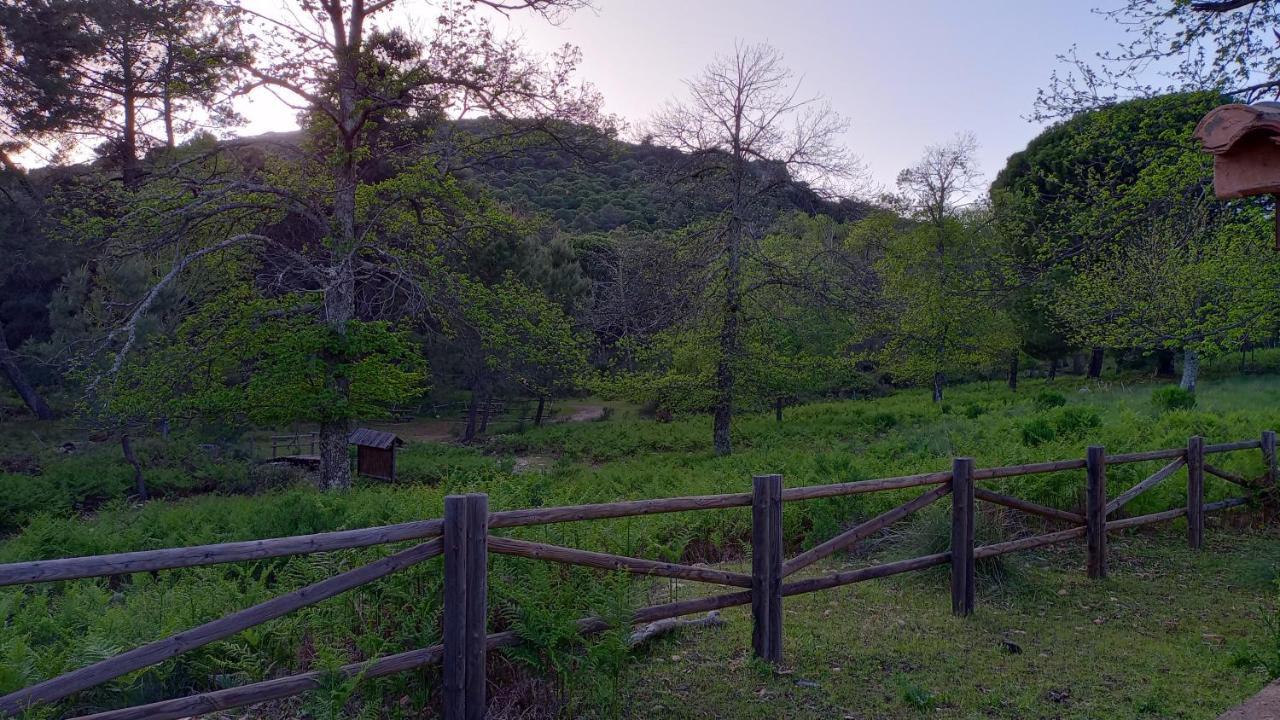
(464, 536)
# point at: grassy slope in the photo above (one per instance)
(59, 627)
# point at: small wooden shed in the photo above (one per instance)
(1245, 143)
(375, 452)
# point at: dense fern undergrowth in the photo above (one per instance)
(53, 628)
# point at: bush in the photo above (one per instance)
(1049, 399)
(1172, 397)
(1038, 431)
(1077, 421)
(973, 410)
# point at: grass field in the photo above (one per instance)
(1171, 634)
(1178, 640)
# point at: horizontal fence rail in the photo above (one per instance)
(464, 537)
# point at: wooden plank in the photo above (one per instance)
(167, 559)
(863, 531)
(1095, 500)
(863, 486)
(296, 684)
(1027, 506)
(1232, 446)
(1028, 543)
(1146, 519)
(477, 620)
(625, 508)
(605, 561)
(847, 577)
(1030, 469)
(1145, 456)
(152, 653)
(274, 689)
(1156, 478)
(1224, 504)
(1268, 445)
(456, 519)
(1230, 477)
(766, 568)
(962, 532)
(1195, 492)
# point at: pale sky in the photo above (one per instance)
(905, 73)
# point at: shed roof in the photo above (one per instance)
(1226, 125)
(374, 438)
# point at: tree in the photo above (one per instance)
(1069, 197)
(940, 276)
(1195, 277)
(111, 70)
(745, 131)
(509, 333)
(1227, 46)
(360, 213)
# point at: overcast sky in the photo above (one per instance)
(905, 73)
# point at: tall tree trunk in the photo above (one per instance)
(485, 411)
(938, 381)
(725, 368)
(1190, 369)
(473, 415)
(128, 152)
(542, 406)
(140, 484)
(1096, 357)
(1013, 370)
(339, 293)
(9, 365)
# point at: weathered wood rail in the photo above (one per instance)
(464, 537)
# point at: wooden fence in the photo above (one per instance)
(465, 537)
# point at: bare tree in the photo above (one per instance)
(1230, 46)
(942, 273)
(747, 133)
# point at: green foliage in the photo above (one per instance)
(1049, 399)
(266, 361)
(1172, 397)
(53, 628)
(1077, 421)
(1038, 431)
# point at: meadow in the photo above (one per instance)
(1226, 593)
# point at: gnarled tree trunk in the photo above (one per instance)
(9, 366)
(1095, 362)
(1190, 369)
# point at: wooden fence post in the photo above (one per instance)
(1269, 478)
(1095, 512)
(466, 528)
(962, 525)
(766, 567)
(1195, 492)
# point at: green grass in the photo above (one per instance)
(1163, 637)
(54, 628)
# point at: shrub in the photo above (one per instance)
(1172, 397)
(973, 410)
(1077, 421)
(1049, 399)
(1038, 431)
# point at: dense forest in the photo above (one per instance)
(438, 234)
